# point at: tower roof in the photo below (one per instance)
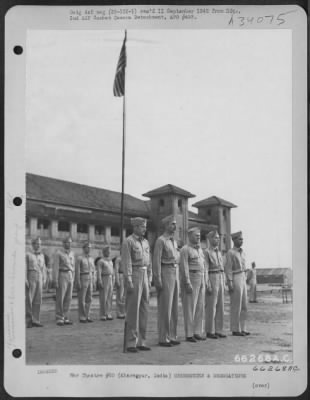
(214, 201)
(168, 189)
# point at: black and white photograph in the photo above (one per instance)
(159, 157)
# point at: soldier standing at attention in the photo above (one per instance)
(193, 279)
(120, 288)
(84, 270)
(136, 264)
(105, 284)
(235, 269)
(64, 278)
(35, 270)
(165, 272)
(252, 281)
(215, 293)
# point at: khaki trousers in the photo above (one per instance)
(105, 296)
(137, 308)
(64, 295)
(193, 305)
(120, 297)
(33, 296)
(238, 303)
(215, 304)
(85, 296)
(167, 303)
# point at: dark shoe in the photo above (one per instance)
(68, 322)
(83, 321)
(191, 339)
(90, 320)
(109, 318)
(238, 334)
(103, 318)
(36, 324)
(245, 333)
(132, 350)
(60, 323)
(175, 342)
(220, 335)
(198, 337)
(165, 344)
(144, 348)
(212, 336)
(120, 317)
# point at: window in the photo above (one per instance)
(63, 226)
(115, 231)
(209, 212)
(203, 236)
(180, 203)
(161, 202)
(224, 214)
(99, 230)
(43, 223)
(82, 228)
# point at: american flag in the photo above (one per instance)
(119, 81)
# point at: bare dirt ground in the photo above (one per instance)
(269, 321)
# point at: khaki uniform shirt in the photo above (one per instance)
(214, 259)
(84, 265)
(104, 267)
(235, 262)
(192, 259)
(64, 261)
(35, 262)
(165, 253)
(136, 254)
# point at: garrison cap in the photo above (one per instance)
(138, 221)
(67, 239)
(87, 243)
(36, 240)
(236, 235)
(106, 247)
(212, 234)
(194, 229)
(167, 220)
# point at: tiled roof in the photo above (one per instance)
(273, 271)
(168, 189)
(42, 188)
(214, 200)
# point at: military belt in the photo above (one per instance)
(216, 271)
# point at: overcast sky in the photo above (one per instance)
(207, 110)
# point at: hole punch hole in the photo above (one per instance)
(18, 50)
(17, 201)
(17, 353)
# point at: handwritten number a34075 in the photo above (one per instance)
(267, 19)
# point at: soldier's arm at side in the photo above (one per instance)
(150, 271)
(117, 280)
(56, 268)
(77, 273)
(99, 268)
(228, 270)
(206, 270)
(157, 262)
(184, 269)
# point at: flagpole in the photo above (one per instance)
(123, 184)
(123, 168)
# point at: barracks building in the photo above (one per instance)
(56, 209)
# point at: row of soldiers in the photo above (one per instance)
(84, 273)
(199, 275)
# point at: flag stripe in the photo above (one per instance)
(119, 81)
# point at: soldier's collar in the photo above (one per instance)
(195, 246)
(137, 237)
(168, 236)
(239, 249)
